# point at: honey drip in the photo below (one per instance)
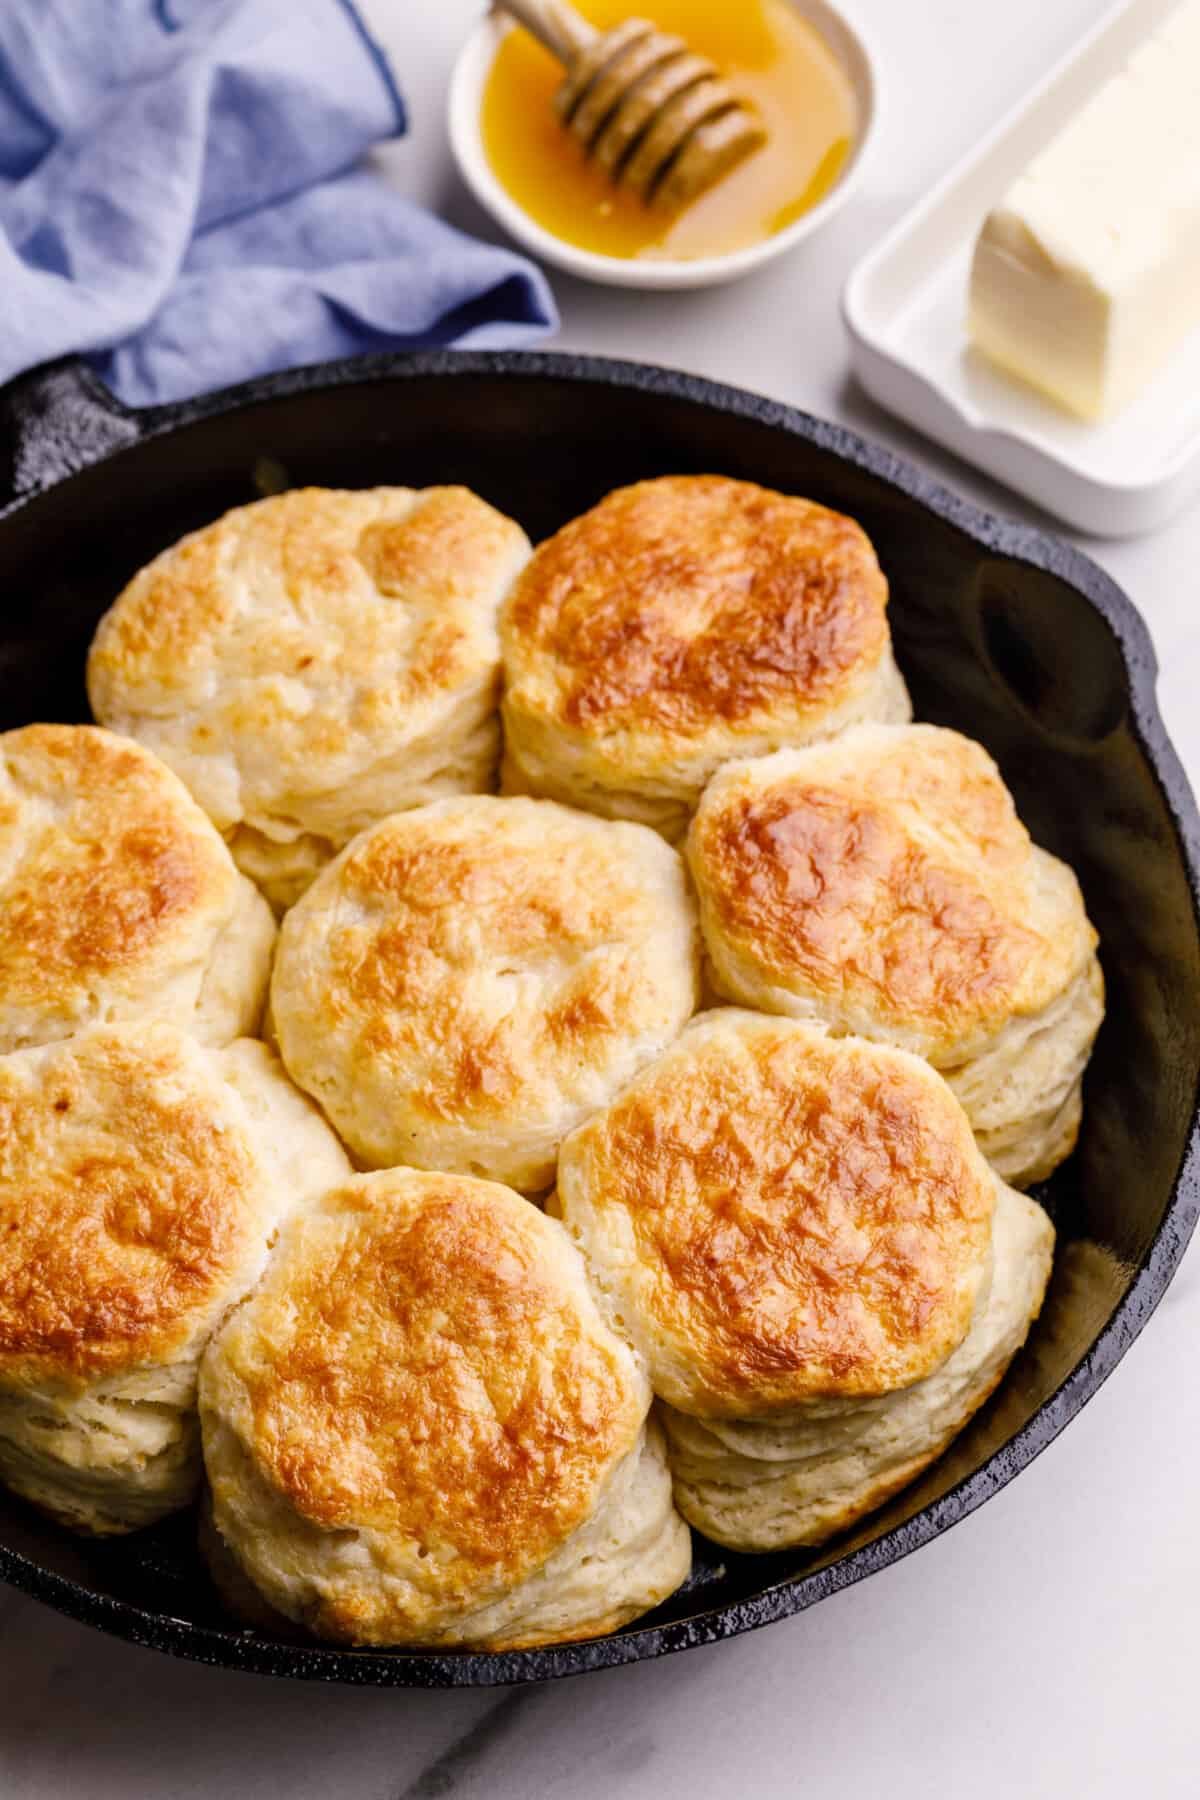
(771, 55)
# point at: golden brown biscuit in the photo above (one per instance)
(885, 886)
(419, 1429)
(118, 899)
(771, 1484)
(142, 1178)
(682, 622)
(468, 981)
(313, 662)
(797, 1233)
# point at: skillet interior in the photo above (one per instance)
(1003, 633)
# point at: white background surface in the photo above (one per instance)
(1046, 1646)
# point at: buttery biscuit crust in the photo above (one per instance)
(780, 1216)
(314, 661)
(422, 1363)
(117, 897)
(887, 887)
(471, 978)
(689, 599)
(682, 622)
(129, 1197)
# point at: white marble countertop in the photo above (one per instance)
(1046, 1645)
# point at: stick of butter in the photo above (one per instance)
(1087, 274)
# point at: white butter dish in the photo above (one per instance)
(905, 309)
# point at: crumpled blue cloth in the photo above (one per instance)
(179, 199)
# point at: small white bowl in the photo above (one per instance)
(465, 103)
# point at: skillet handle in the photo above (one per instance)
(53, 422)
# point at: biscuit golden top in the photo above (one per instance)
(129, 1198)
(423, 1360)
(691, 603)
(296, 641)
(483, 963)
(885, 883)
(111, 877)
(780, 1216)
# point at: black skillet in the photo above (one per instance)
(1001, 631)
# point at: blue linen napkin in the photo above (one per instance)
(178, 199)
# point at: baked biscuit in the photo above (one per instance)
(886, 887)
(313, 662)
(419, 1429)
(118, 900)
(468, 981)
(142, 1178)
(682, 622)
(799, 1235)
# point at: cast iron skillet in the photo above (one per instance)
(1000, 631)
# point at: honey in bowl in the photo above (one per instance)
(770, 54)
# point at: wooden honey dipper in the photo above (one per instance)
(657, 118)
